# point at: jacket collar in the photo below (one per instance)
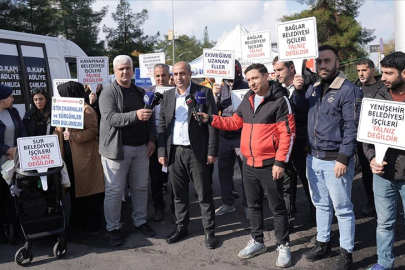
(337, 82)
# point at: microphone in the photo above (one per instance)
(191, 103)
(200, 97)
(157, 99)
(148, 99)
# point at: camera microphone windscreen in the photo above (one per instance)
(192, 104)
(148, 99)
(200, 97)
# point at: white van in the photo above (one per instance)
(28, 61)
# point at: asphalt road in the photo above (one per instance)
(92, 251)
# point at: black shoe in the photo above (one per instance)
(369, 209)
(313, 241)
(176, 235)
(115, 238)
(321, 250)
(146, 230)
(344, 261)
(210, 241)
(158, 215)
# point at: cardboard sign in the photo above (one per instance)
(92, 70)
(256, 46)
(297, 39)
(148, 61)
(237, 96)
(67, 112)
(57, 82)
(244, 65)
(142, 82)
(382, 123)
(39, 153)
(219, 64)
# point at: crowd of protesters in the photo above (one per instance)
(294, 127)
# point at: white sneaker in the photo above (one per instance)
(247, 213)
(225, 209)
(284, 256)
(252, 249)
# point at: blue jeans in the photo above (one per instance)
(327, 191)
(386, 197)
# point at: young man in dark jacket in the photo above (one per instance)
(229, 144)
(389, 177)
(369, 84)
(268, 132)
(333, 107)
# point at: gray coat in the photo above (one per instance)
(113, 119)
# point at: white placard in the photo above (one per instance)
(244, 65)
(382, 123)
(148, 61)
(297, 39)
(39, 152)
(256, 46)
(57, 82)
(219, 64)
(92, 70)
(237, 96)
(67, 112)
(163, 89)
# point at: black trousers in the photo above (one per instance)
(257, 181)
(367, 175)
(157, 178)
(184, 168)
(297, 167)
(86, 212)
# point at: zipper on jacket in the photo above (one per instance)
(250, 140)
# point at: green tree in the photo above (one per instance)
(128, 37)
(337, 26)
(80, 24)
(186, 48)
(30, 16)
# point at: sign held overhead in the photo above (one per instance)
(256, 45)
(92, 70)
(148, 61)
(219, 64)
(297, 39)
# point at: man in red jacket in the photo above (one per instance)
(268, 132)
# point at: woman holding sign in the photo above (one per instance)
(79, 149)
(11, 128)
(37, 122)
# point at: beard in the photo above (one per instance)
(396, 85)
(331, 73)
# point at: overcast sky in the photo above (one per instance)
(190, 17)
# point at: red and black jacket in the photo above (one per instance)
(267, 134)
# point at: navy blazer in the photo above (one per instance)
(203, 139)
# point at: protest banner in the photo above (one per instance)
(218, 64)
(148, 61)
(67, 112)
(92, 70)
(381, 123)
(256, 46)
(39, 153)
(297, 40)
(57, 82)
(142, 82)
(237, 96)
